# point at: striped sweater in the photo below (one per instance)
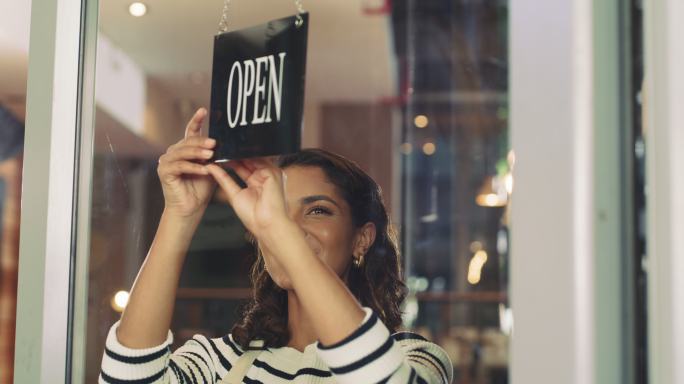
(369, 355)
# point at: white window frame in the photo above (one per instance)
(664, 136)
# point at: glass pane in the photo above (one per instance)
(414, 91)
(15, 17)
(456, 175)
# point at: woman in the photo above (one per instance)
(327, 280)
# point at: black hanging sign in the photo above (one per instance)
(257, 89)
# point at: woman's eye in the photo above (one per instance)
(319, 211)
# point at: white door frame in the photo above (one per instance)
(59, 100)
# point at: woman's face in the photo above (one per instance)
(324, 216)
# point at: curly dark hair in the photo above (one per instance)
(377, 284)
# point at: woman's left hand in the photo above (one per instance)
(334, 311)
(261, 205)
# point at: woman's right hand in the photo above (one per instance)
(186, 183)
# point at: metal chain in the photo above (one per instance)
(300, 10)
(223, 24)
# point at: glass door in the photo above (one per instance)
(415, 92)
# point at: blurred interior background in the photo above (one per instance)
(415, 92)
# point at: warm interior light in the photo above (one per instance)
(429, 148)
(421, 121)
(119, 301)
(492, 193)
(475, 266)
(491, 200)
(137, 9)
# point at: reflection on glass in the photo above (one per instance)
(14, 45)
(421, 106)
(11, 165)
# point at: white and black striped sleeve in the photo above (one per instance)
(371, 354)
(121, 364)
(192, 363)
(426, 362)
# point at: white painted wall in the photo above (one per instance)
(120, 86)
(15, 17)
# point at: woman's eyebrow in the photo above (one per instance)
(312, 199)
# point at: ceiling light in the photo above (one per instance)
(429, 148)
(492, 193)
(421, 121)
(137, 9)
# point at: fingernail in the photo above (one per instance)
(209, 142)
(207, 153)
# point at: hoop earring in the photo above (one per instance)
(358, 261)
